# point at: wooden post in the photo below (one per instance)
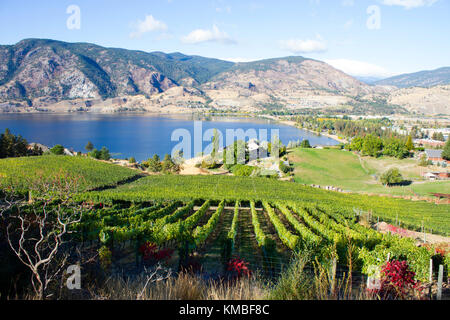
(430, 278)
(333, 276)
(388, 257)
(440, 278)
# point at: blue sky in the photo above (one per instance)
(361, 37)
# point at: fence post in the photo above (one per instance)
(388, 257)
(333, 276)
(440, 278)
(430, 277)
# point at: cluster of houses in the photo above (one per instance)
(429, 142)
(437, 175)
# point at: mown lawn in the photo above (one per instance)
(344, 169)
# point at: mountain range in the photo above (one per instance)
(424, 79)
(50, 75)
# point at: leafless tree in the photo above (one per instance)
(37, 232)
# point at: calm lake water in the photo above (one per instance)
(140, 136)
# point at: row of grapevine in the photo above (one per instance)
(234, 224)
(176, 230)
(201, 233)
(321, 229)
(308, 238)
(259, 233)
(179, 213)
(289, 239)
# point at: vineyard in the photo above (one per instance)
(92, 174)
(208, 222)
(412, 215)
(265, 234)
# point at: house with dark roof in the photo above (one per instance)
(435, 156)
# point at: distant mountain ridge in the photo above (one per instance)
(54, 70)
(424, 79)
(51, 75)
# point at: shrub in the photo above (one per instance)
(239, 268)
(58, 150)
(284, 168)
(105, 257)
(397, 281)
(241, 170)
(391, 177)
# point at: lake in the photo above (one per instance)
(140, 136)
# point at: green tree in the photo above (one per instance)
(409, 143)
(240, 154)
(104, 154)
(423, 162)
(58, 150)
(446, 151)
(305, 144)
(89, 147)
(12, 146)
(168, 165)
(154, 164)
(357, 144)
(395, 148)
(216, 144)
(95, 154)
(391, 177)
(372, 145)
(132, 160)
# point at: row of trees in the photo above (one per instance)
(298, 143)
(155, 164)
(439, 136)
(346, 127)
(12, 146)
(102, 154)
(374, 146)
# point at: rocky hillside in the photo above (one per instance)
(427, 101)
(424, 79)
(49, 75)
(54, 71)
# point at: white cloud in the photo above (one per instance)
(204, 35)
(148, 25)
(359, 68)
(304, 46)
(410, 4)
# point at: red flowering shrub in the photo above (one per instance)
(150, 253)
(398, 281)
(397, 230)
(239, 267)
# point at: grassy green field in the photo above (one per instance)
(167, 187)
(95, 174)
(345, 170)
